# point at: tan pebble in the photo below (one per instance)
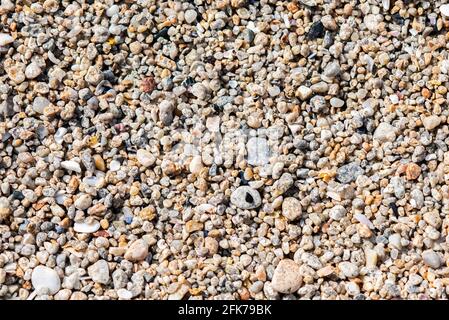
(137, 251)
(192, 226)
(325, 271)
(413, 171)
(260, 273)
(99, 162)
(211, 245)
(134, 190)
(370, 258)
(148, 213)
(98, 209)
(104, 223)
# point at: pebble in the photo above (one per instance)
(45, 280)
(166, 109)
(32, 71)
(145, 158)
(287, 277)
(431, 259)
(291, 208)
(444, 9)
(431, 122)
(99, 272)
(337, 213)
(39, 104)
(71, 165)
(190, 16)
(349, 172)
(348, 269)
(124, 294)
(245, 197)
(337, 103)
(196, 165)
(83, 202)
(258, 151)
(137, 251)
(5, 39)
(304, 92)
(385, 132)
(5, 208)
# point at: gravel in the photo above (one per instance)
(224, 150)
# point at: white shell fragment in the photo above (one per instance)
(71, 165)
(85, 227)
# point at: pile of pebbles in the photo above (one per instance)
(226, 149)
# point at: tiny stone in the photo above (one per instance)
(349, 173)
(39, 104)
(258, 151)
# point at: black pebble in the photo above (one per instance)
(243, 181)
(398, 19)
(316, 31)
(394, 207)
(18, 195)
(162, 34)
(188, 82)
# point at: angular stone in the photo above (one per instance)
(99, 272)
